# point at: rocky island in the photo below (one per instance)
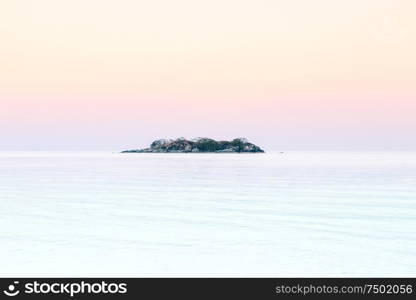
(199, 145)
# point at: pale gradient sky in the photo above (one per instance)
(299, 74)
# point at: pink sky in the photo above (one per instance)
(285, 74)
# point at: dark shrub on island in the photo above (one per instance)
(198, 145)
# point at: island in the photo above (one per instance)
(199, 145)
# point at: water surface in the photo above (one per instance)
(290, 214)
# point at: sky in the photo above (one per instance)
(287, 75)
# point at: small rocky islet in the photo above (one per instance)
(199, 145)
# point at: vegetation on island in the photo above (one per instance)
(182, 145)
